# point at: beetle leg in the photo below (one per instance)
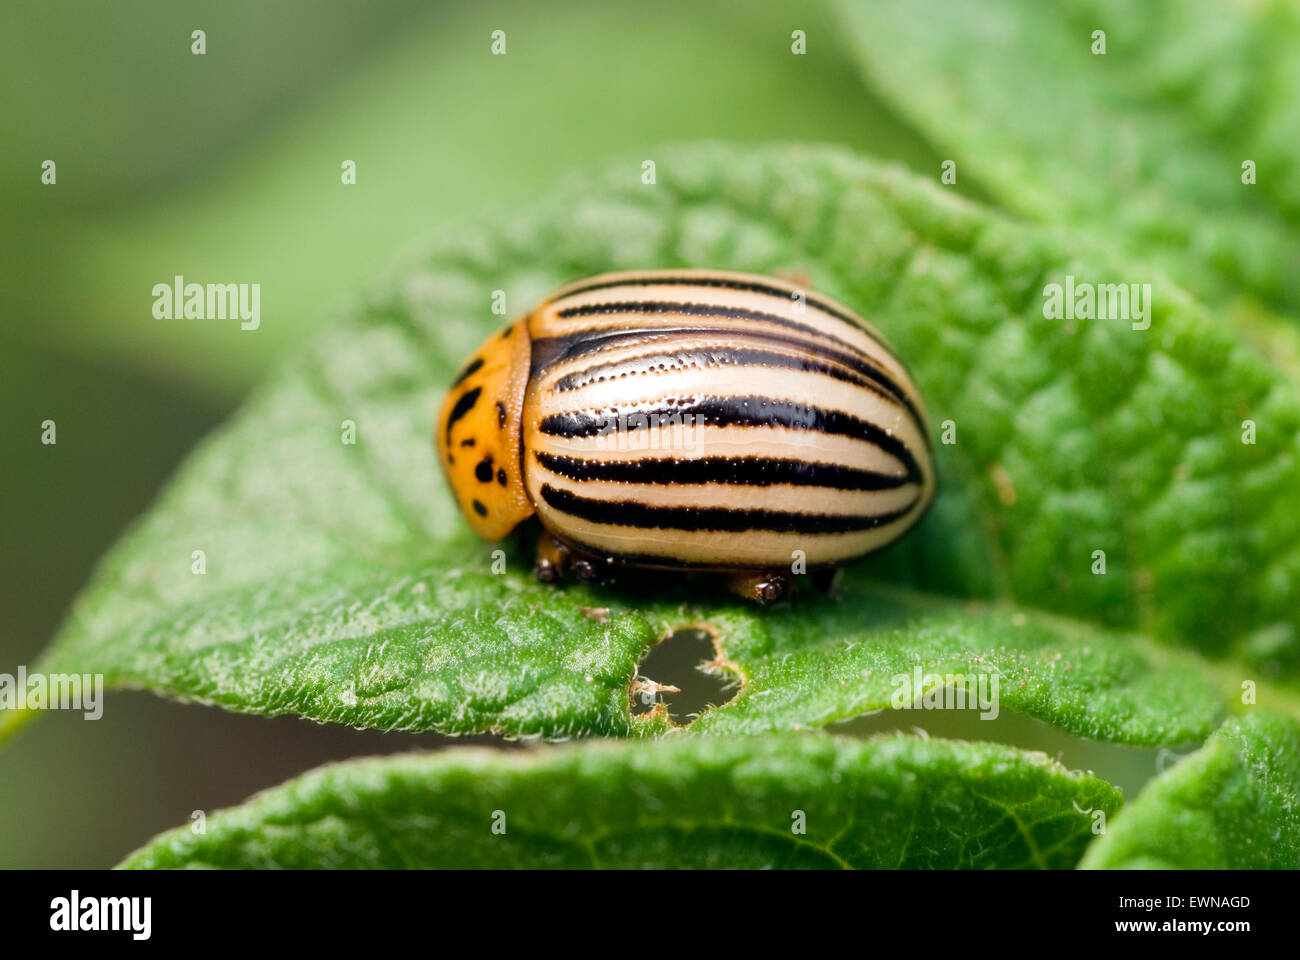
(766, 587)
(552, 558)
(591, 569)
(825, 579)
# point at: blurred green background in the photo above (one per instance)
(226, 168)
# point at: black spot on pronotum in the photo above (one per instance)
(480, 509)
(463, 406)
(501, 476)
(483, 472)
(468, 442)
(473, 367)
(501, 414)
(507, 331)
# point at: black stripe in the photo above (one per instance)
(631, 513)
(713, 356)
(701, 310)
(463, 406)
(750, 471)
(474, 366)
(725, 283)
(547, 351)
(734, 411)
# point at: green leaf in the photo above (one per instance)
(466, 652)
(1144, 144)
(1233, 804)
(896, 802)
(342, 584)
(810, 663)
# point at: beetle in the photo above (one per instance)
(691, 420)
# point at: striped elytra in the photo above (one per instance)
(690, 419)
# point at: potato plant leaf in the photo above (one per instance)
(1235, 803)
(785, 801)
(1168, 126)
(287, 570)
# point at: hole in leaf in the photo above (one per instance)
(686, 673)
(1129, 768)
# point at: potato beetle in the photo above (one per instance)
(689, 420)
